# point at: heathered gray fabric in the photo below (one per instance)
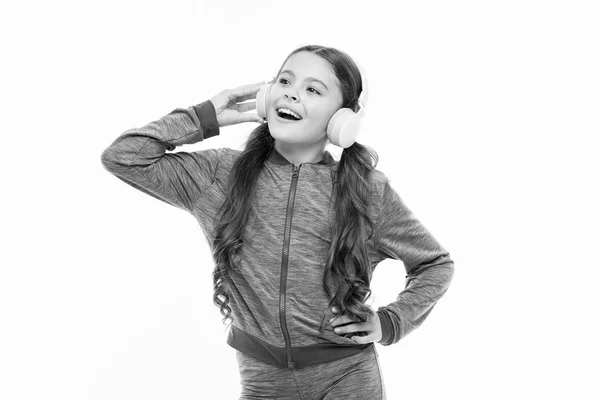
(196, 182)
(357, 377)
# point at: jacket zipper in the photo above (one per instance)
(284, 263)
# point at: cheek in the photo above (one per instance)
(321, 117)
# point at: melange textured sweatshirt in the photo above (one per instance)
(277, 298)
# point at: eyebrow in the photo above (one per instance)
(311, 78)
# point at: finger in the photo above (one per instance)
(364, 339)
(340, 328)
(247, 106)
(339, 319)
(250, 118)
(245, 90)
(355, 327)
(247, 97)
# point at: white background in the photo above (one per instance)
(485, 116)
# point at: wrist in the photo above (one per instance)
(208, 119)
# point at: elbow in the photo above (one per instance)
(440, 271)
(110, 160)
(116, 157)
(445, 269)
(449, 272)
(107, 160)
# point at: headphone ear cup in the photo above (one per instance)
(343, 127)
(261, 100)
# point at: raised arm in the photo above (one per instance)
(399, 235)
(139, 158)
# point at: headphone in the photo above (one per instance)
(344, 125)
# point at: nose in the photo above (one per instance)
(295, 98)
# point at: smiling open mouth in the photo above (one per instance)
(285, 114)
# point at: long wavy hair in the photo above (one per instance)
(347, 262)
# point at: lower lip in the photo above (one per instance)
(286, 120)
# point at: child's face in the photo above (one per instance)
(297, 87)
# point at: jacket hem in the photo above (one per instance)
(302, 356)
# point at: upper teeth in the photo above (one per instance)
(288, 111)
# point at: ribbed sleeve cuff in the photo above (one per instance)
(387, 329)
(208, 119)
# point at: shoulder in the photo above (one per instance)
(384, 194)
(378, 183)
(217, 162)
(226, 158)
(229, 155)
(220, 155)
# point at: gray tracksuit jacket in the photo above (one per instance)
(277, 297)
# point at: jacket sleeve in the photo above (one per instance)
(138, 156)
(400, 236)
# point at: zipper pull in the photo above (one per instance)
(295, 171)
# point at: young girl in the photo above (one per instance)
(295, 235)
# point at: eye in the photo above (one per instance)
(315, 90)
(282, 79)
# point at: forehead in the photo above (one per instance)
(305, 64)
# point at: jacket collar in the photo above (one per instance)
(277, 158)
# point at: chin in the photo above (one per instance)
(295, 138)
(285, 135)
(296, 133)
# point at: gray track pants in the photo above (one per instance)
(357, 377)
